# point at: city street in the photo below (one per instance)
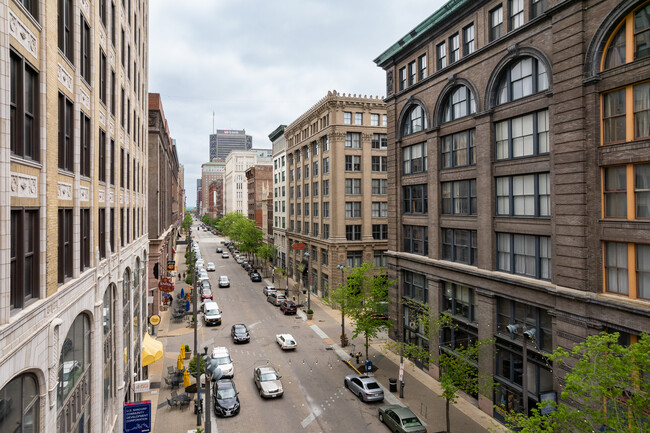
(312, 376)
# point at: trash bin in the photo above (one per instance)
(392, 383)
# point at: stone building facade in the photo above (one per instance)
(73, 220)
(279, 146)
(212, 176)
(337, 200)
(519, 153)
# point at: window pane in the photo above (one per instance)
(615, 55)
(642, 190)
(642, 110)
(615, 192)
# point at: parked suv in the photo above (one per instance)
(222, 355)
(276, 298)
(288, 307)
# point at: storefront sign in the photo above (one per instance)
(171, 265)
(166, 285)
(299, 246)
(141, 386)
(137, 417)
(154, 320)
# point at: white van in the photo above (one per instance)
(222, 356)
(211, 313)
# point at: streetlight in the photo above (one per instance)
(196, 352)
(306, 253)
(343, 339)
(212, 372)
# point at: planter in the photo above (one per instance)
(310, 316)
(188, 355)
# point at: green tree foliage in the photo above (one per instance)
(266, 252)
(610, 382)
(362, 298)
(187, 222)
(192, 367)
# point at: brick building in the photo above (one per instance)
(519, 165)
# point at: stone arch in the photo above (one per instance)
(453, 83)
(411, 103)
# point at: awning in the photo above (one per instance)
(152, 350)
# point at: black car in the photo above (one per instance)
(255, 277)
(251, 270)
(240, 334)
(247, 266)
(219, 250)
(224, 397)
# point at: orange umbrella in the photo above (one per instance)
(179, 364)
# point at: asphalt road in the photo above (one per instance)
(315, 399)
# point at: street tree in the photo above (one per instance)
(266, 252)
(187, 222)
(609, 384)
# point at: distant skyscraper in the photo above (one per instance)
(227, 140)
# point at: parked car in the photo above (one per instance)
(268, 382)
(219, 250)
(224, 398)
(206, 294)
(224, 281)
(210, 267)
(288, 307)
(200, 263)
(276, 298)
(267, 290)
(240, 334)
(251, 270)
(255, 277)
(205, 284)
(225, 255)
(364, 387)
(247, 266)
(211, 313)
(400, 419)
(239, 259)
(222, 355)
(286, 341)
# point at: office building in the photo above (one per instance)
(235, 187)
(212, 175)
(227, 140)
(519, 169)
(279, 146)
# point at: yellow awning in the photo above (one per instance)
(152, 350)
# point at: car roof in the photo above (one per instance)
(401, 411)
(266, 370)
(285, 336)
(220, 350)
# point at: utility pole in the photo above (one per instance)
(343, 339)
(196, 352)
(308, 254)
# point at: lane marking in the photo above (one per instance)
(254, 324)
(318, 331)
(312, 416)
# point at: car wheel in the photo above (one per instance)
(261, 393)
(345, 384)
(381, 418)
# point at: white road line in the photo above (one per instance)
(312, 416)
(318, 331)
(253, 325)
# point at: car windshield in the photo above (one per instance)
(223, 360)
(240, 329)
(269, 376)
(411, 422)
(212, 312)
(289, 342)
(225, 393)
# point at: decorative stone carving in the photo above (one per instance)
(23, 185)
(111, 57)
(84, 193)
(65, 191)
(22, 34)
(102, 117)
(102, 38)
(121, 198)
(111, 127)
(389, 83)
(64, 77)
(84, 98)
(126, 198)
(121, 138)
(86, 7)
(111, 197)
(101, 195)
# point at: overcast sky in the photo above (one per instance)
(257, 64)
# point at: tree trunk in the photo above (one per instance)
(447, 414)
(367, 344)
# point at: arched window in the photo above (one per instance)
(414, 121)
(73, 393)
(109, 346)
(635, 27)
(19, 403)
(525, 77)
(459, 103)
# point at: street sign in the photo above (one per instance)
(141, 386)
(299, 246)
(154, 320)
(137, 417)
(171, 265)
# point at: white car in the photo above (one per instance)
(210, 267)
(222, 356)
(286, 341)
(200, 263)
(224, 281)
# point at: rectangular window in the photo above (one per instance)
(524, 195)
(379, 186)
(66, 128)
(415, 239)
(353, 209)
(65, 245)
(526, 255)
(102, 156)
(415, 199)
(412, 73)
(353, 232)
(326, 209)
(113, 92)
(642, 110)
(384, 120)
(306, 171)
(642, 190)
(615, 191)
(422, 67)
(415, 287)
(315, 232)
(459, 197)
(374, 119)
(24, 95)
(353, 140)
(414, 158)
(441, 56)
(537, 8)
(84, 250)
(379, 209)
(516, 14)
(65, 28)
(459, 246)
(527, 317)
(102, 77)
(358, 118)
(355, 258)
(314, 189)
(84, 145)
(468, 40)
(112, 162)
(315, 209)
(298, 189)
(380, 260)
(111, 231)
(380, 164)
(402, 78)
(643, 271)
(459, 300)
(325, 143)
(522, 136)
(324, 257)
(454, 48)
(326, 165)
(306, 209)
(379, 141)
(496, 23)
(24, 257)
(298, 171)
(614, 117)
(347, 118)
(616, 268)
(380, 232)
(314, 148)
(352, 162)
(352, 186)
(85, 50)
(326, 187)
(326, 231)
(457, 150)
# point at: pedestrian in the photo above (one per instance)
(183, 275)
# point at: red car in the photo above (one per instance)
(206, 294)
(288, 307)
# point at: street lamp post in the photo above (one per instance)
(343, 339)
(196, 352)
(308, 279)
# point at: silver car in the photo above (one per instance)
(268, 382)
(364, 387)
